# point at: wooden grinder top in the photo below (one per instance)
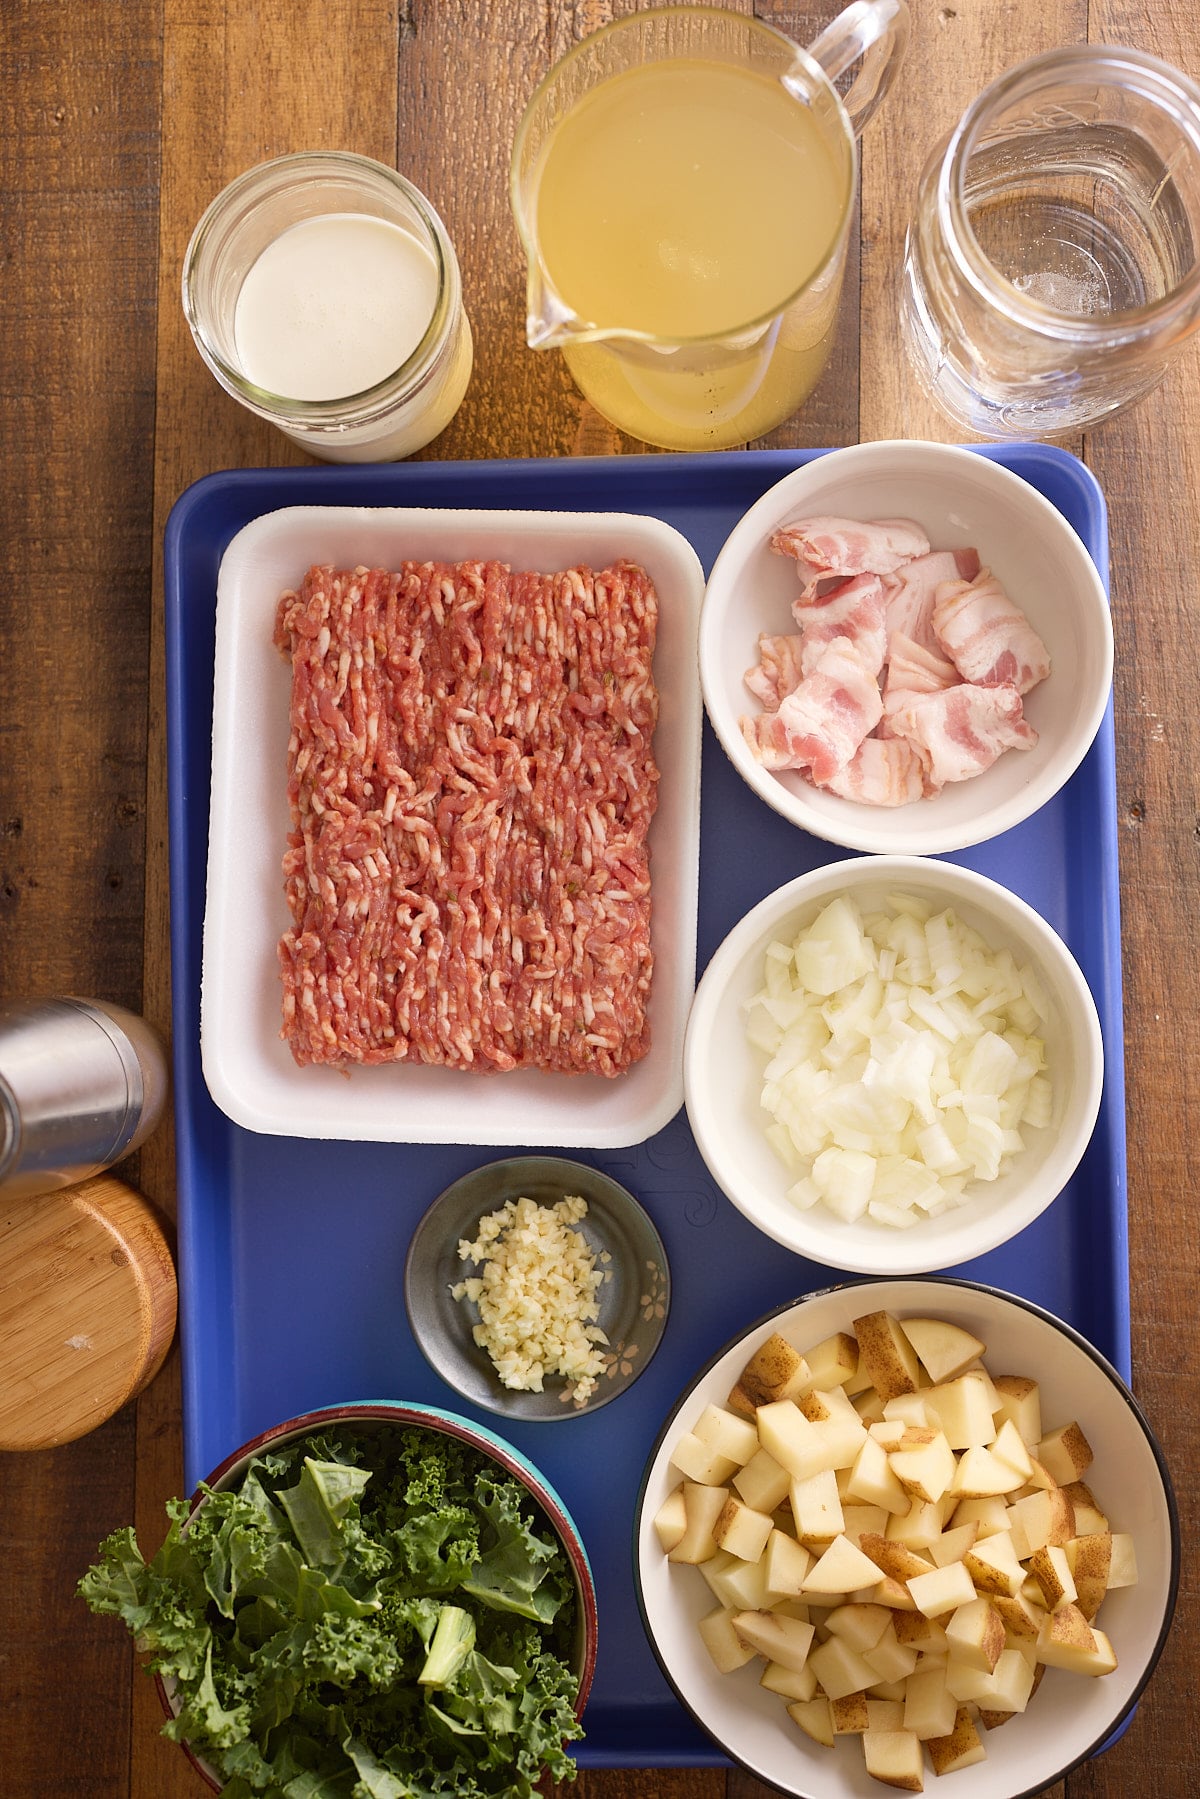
(87, 1308)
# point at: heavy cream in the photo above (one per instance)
(333, 305)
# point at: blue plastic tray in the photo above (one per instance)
(291, 1253)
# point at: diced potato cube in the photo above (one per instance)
(1065, 1453)
(729, 1436)
(1052, 1571)
(849, 1715)
(789, 1683)
(953, 1545)
(785, 1564)
(921, 1526)
(738, 1584)
(891, 1659)
(861, 1626)
(893, 1558)
(762, 1483)
(815, 1719)
(670, 1520)
(988, 1510)
(1006, 1688)
(1088, 1515)
(942, 1589)
(816, 1507)
(885, 1713)
(896, 1758)
(775, 1371)
(703, 1505)
(698, 1461)
(962, 1409)
(842, 1569)
(860, 1519)
(785, 1433)
(886, 1354)
(1020, 1401)
(993, 1566)
(1090, 1561)
(980, 1474)
(1123, 1569)
(929, 1709)
(1067, 1640)
(960, 1748)
(924, 1634)
(1009, 1446)
(1022, 1618)
(726, 1648)
(975, 1634)
(741, 1530)
(839, 1669)
(944, 1349)
(833, 1362)
(778, 1637)
(1040, 1518)
(923, 1462)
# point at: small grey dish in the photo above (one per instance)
(633, 1303)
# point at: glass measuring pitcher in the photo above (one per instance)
(683, 182)
(1052, 265)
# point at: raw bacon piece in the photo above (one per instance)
(884, 771)
(826, 546)
(820, 726)
(778, 670)
(989, 639)
(912, 669)
(962, 730)
(853, 609)
(910, 592)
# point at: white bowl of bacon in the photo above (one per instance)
(892, 1065)
(905, 647)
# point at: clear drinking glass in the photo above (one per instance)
(338, 321)
(1051, 271)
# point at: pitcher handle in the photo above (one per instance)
(875, 32)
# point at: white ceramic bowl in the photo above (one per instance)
(247, 1065)
(723, 1073)
(962, 499)
(1070, 1716)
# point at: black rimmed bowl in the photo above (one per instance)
(371, 1422)
(1071, 1716)
(633, 1303)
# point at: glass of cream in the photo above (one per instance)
(324, 294)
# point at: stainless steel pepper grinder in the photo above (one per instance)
(82, 1084)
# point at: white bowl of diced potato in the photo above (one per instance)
(902, 1529)
(892, 1065)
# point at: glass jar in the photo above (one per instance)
(331, 275)
(1051, 270)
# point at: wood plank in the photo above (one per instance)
(77, 219)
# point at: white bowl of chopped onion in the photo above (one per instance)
(905, 647)
(892, 1065)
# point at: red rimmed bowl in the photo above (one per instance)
(364, 1419)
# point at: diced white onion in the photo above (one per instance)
(903, 1060)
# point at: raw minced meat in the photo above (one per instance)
(538, 1295)
(471, 778)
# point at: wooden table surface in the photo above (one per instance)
(122, 120)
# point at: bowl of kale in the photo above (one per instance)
(380, 1598)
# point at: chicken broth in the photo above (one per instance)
(699, 206)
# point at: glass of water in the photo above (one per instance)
(1052, 265)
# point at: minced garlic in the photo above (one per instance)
(537, 1295)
